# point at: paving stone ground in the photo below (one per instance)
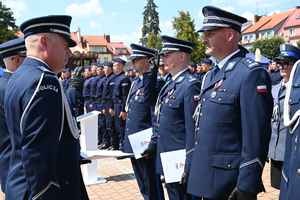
(121, 183)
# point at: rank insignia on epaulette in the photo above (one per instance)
(180, 79)
(296, 86)
(230, 66)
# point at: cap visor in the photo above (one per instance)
(209, 28)
(165, 51)
(286, 57)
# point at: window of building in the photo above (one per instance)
(106, 59)
(292, 31)
(251, 38)
(98, 49)
(121, 50)
(246, 39)
(269, 34)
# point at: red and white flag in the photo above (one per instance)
(196, 98)
(262, 88)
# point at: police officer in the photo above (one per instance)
(67, 75)
(109, 138)
(13, 54)
(120, 93)
(86, 93)
(45, 147)
(289, 55)
(290, 170)
(206, 65)
(163, 76)
(274, 73)
(175, 108)
(140, 112)
(93, 85)
(192, 67)
(232, 116)
(99, 107)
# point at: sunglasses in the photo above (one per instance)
(137, 59)
(285, 65)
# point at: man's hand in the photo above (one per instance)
(82, 161)
(112, 112)
(238, 194)
(154, 64)
(184, 179)
(91, 106)
(103, 111)
(77, 80)
(148, 153)
(123, 115)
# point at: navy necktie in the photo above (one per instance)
(281, 90)
(214, 71)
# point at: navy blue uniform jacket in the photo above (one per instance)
(232, 138)
(45, 152)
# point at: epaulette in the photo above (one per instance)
(45, 70)
(191, 78)
(250, 63)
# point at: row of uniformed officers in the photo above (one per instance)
(221, 121)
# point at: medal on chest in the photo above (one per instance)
(137, 94)
(169, 94)
(217, 85)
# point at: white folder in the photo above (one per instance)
(139, 141)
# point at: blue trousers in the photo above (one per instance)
(177, 192)
(148, 180)
(120, 125)
(110, 127)
(102, 126)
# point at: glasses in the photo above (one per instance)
(137, 59)
(285, 65)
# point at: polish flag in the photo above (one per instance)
(262, 88)
(196, 98)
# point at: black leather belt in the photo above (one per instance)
(118, 101)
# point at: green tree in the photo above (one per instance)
(298, 43)
(8, 28)
(184, 27)
(150, 21)
(154, 41)
(270, 47)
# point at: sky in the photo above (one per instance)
(123, 19)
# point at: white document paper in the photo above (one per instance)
(173, 165)
(139, 141)
(92, 155)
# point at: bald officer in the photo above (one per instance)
(45, 147)
(174, 109)
(232, 117)
(13, 54)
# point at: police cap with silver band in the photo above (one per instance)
(12, 47)
(120, 60)
(216, 18)
(59, 24)
(138, 51)
(288, 52)
(209, 61)
(171, 44)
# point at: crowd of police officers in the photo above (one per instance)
(219, 113)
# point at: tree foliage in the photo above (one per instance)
(150, 21)
(270, 48)
(8, 28)
(154, 41)
(298, 43)
(185, 29)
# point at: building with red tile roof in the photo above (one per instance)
(264, 27)
(290, 30)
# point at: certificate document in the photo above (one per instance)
(139, 141)
(173, 165)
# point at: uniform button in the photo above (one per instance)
(67, 182)
(197, 129)
(158, 136)
(203, 100)
(139, 100)
(229, 166)
(162, 103)
(219, 100)
(130, 100)
(170, 104)
(200, 114)
(290, 100)
(128, 129)
(196, 143)
(128, 120)
(298, 171)
(129, 110)
(160, 113)
(157, 125)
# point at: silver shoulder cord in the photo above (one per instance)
(126, 105)
(70, 118)
(158, 105)
(286, 115)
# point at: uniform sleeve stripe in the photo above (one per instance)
(251, 162)
(45, 189)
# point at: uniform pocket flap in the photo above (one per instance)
(223, 98)
(225, 161)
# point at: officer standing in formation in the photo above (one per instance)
(162, 77)
(174, 109)
(93, 85)
(192, 67)
(289, 55)
(99, 105)
(140, 115)
(274, 73)
(13, 54)
(291, 165)
(67, 75)
(119, 96)
(45, 147)
(232, 117)
(87, 87)
(206, 65)
(109, 140)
